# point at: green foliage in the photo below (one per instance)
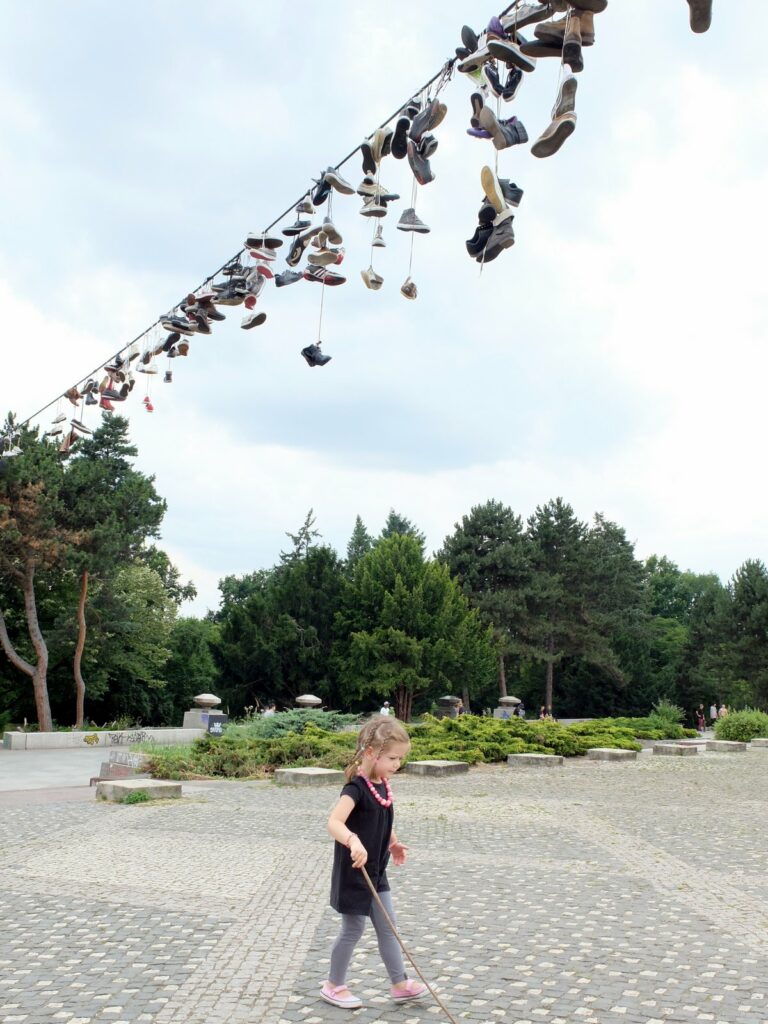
(295, 721)
(137, 796)
(742, 726)
(664, 711)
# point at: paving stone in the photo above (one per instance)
(308, 777)
(610, 754)
(436, 768)
(534, 760)
(156, 789)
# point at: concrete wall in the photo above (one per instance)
(105, 738)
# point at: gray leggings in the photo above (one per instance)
(352, 927)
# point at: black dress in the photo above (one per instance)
(372, 824)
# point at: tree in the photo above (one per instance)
(33, 539)
(406, 631)
(359, 544)
(119, 508)
(191, 668)
(302, 541)
(399, 526)
(489, 555)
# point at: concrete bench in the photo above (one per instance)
(675, 749)
(534, 760)
(726, 746)
(436, 767)
(156, 789)
(308, 776)
(760, 744)
(611, 754)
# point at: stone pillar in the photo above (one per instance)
(197, 717)
(506, 708)
(447, 707)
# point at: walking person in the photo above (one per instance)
(361, 823)
(723, 711)
(701, 722)
(385, 708)
(713, 713)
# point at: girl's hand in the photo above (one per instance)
(399, 852)
(358, 853)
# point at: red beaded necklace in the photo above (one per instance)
(379, 799)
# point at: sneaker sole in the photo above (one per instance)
(342, 1006)
(549, 144)
(507, 51)
(492, 189)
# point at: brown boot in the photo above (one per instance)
(553, 32)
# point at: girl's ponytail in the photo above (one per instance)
(377, 733)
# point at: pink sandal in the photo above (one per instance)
(410, 990)
(339, 995)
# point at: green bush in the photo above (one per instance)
(138, 796)
(665, 711)
(742, 726)
(273, 726)
(238, 755)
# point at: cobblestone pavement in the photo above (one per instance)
(592, 893)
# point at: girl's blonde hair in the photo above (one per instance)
(378, 732)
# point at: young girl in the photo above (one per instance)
(361, 824)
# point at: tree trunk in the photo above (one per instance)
(40, 676)
(79, 682)
(465, 699)
(502, 677)
(549, 680)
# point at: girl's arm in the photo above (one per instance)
(337, 826)
(398, 851)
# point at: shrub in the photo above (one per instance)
(665, 711)
(138, 796)
(742, 726)
(291, 721)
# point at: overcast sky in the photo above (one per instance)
(616, 356)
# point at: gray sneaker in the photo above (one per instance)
(288, 277)
(373, 208)
(410, 222)
(331, 232)
(422, 172)
(504, 133)
(378, 238)
(502, 237)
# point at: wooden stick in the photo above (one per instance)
(389, 921)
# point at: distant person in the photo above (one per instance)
(701, 722)
(460, 709)
(385, 708)
(713, 713)
(270, 709)
(520, 710)
(550, 715)
(723, 711)
(542, 712)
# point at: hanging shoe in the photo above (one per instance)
(333, 178)
(80, 427)
(253, 320)
(410, 222)
(288, 277)
(300, 243)
(422, 172)
(555, 135)
(177, 323)
(700, 14)
(316, 357)
(91, 399)
(399, 145)
(553, 32)
(504, 133)
(322, 275)
(305, 206)
(331, 232)
(373, 208)
(149, 407)
(371, 279)
(378, 238)
(525, 14)
(502, 237)
(168, 377)
(73, 395)
(408, 288)
(297, 227)
(566, 97)
(261, 240)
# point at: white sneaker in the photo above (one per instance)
(371, 279)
